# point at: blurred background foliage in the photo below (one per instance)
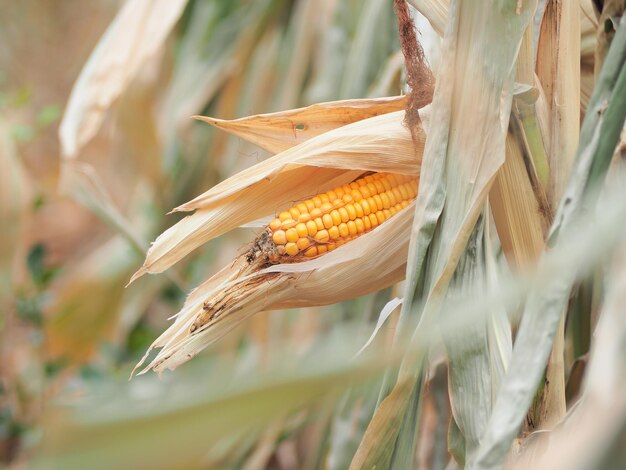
(67, 321)
(283, 390)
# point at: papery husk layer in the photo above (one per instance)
(378, 144)
(369, 263)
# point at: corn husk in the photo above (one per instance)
(435, 11)
(380, 144)
(369, 263)
(276, 132)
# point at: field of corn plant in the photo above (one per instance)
(314, 234)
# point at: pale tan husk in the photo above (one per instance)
(371, 262)
(379, 144)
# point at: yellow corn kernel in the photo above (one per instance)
(332, 195)
(384, 198)
(311, 228)
(343, 230)
(317, 201)
(291, 249)
(287, 224)
(343, 214)
(292, 235)
(403, 191)
(386, 183)
(336, 217)
(302, 208)
(302, 230)
(285, 215)
(322, 236)
(303, 243)
(352, 230)
(275, 224)
(379, 201)
(310, 252)
(326, 207)
(304, 217)
(279, 237)
(295, 213)
(309, 205)
(316, 213)
(356, 195)
(380, 188)
(359, 210)
(367, 222)
(360, 226)
(365, 192)
(328, 221)
(365, 206)
(319, 223)
(333, 232)
(321, 249)
(324, 198)
(397, 194)
(380, 215)
(351, 211)
(373, 219)
(372, 203)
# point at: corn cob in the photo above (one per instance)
(321, 224)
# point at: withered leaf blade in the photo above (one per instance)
(379, 144)
(136, 34)
(276, 132)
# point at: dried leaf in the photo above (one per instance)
(435, 11)
(380, 144)
(137, 33)
(276, 132)
(369, 263)
(464, 150)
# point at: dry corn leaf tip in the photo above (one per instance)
(335, 243)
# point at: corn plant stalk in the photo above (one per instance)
(599, 135)
(456, 153)
(558, 68)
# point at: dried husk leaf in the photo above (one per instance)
(137, 33)
(276, 132)
(515, 210)
(558, 69)
(465, 149)
(435, 11)
(379, 144)
(369, 263)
